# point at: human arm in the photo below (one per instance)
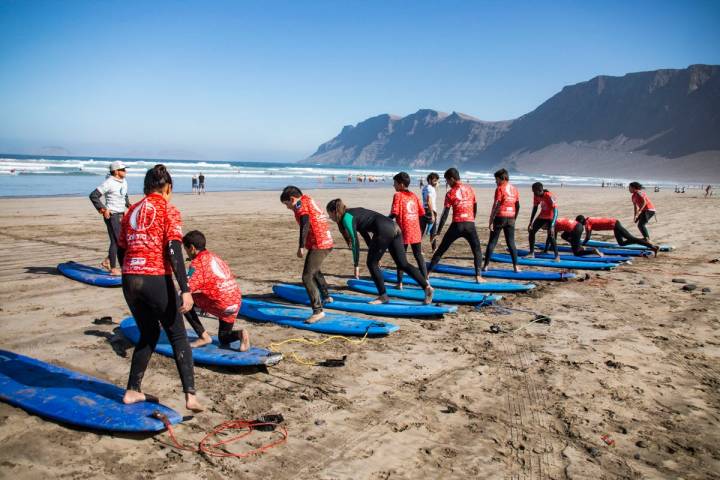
(532, 216)
(95, 198)
(304, 232)
(348, 224)
(443, 219)
(588, 233)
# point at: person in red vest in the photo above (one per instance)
(406, 210)
(546, 201)
(461, 199)
(571, 231)
(644, 208)
(506, 206)
(622, 236)
(315, 245)
(215, 291)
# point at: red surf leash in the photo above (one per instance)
(210, 447)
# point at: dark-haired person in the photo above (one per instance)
(546, 218)
(201, 183)
(622, 235)
(151, 250)
(115, 192)
(506, 206)
(380, 234)
(316, 240)
(428, 222)
(571, 231)
(215, 291)
(644, 208)
(407, 210)
(461, 199)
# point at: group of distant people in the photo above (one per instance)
(147, 243)
(198, 183)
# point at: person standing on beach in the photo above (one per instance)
(461, 199)
(380, 234)
(547, 202)
(201, 183)
(407, 210)
(644, 208)
(622, 236)
(506, 207)
(115, 192)
(151, 250)
(428, 222)
(214, 290)
(194, 183)
(315, 245)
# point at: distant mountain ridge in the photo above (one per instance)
(658, 124)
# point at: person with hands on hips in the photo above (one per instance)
(111, 200)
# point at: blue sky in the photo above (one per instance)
(251, 80)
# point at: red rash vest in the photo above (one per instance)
(319, 236)
(213, 286)
(407, 208)
(461, 198)
(565, 225)
(547, 203)
(147, 229)
(507, 196)
(639, 197)
(596, 223)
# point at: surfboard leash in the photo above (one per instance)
(213, 448)
(316, 343)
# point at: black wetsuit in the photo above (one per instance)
(623, 236)
(112, 224)
(226, 334)
(643, 220)
(574, 238)
(380, 234)
(507, 226)
(457, 230)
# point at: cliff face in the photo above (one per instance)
(634, 123)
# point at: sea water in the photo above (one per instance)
(25, 175)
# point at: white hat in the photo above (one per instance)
(117, 165)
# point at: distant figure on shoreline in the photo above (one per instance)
(708, 191)
(201, 183)
(194, 183)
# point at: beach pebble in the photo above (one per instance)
(689, 287)
(622, 430)
(679, 280)
(641, 444)
(320, 422)
(641, 282)
(706, 290)
(593, 451)
(636, 456)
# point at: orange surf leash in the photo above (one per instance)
(211, 447)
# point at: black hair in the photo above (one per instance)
(194, 238)
(432, 176)
(637, 186)
(502, 175)
(289, 192)
(156, 178)
(580, 219)
(403, 179)
(452, 173)
(537, 186)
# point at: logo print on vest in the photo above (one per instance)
(143, 217)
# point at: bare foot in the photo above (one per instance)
(530, 255)
(106, 263)
(329, 300)
(192, 403)
(116, 272)
(205, 339)
(244, 341)
(556, 259)
(131, 396)
(479, 279)
(381, 299)
(399, 286)
(516, 269)
(656, 249)
(599, 253)
(428, 295)
(315, 317)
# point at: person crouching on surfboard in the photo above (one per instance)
(380, 234)
(406, 210)
(215, 291)
(546, 219)
(571, 231)
(622, 235)
(315, 245)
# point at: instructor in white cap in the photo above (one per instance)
(114, 192)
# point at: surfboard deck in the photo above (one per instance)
(566, 264)
(359, 304)
(573, 258)
(72, 398)
(89, 275)
(333, 323)
(454, 284)
(606, 251)
(598, 243)
(416, 293)
(532, 275)
(212, 354)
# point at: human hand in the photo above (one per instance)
(187, 303)
(301, 252)
(357, 273)
(105, 213)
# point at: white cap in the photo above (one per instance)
(117, 165)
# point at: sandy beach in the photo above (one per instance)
(628, 354)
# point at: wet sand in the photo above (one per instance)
(628, 354)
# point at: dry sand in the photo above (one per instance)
(628, 354)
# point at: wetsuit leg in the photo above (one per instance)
(419, 258)
(376, 250)
(492, 242)
(153, 299)
(624, 237)
(536, 226)
(313, 279)
(399, 272)
(643, 221)
(397, 252)
(113, 228)
(194, 321)
(575, 239)
(469, 233)
(509, 231)
(450, 236)
(226, 334)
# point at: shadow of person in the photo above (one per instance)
(116, 339)
(42, 270)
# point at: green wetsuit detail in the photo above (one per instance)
(347, 222)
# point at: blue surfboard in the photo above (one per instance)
(333, 323)
(212, 354)
(537, 262)
(597, 243)
(532, 275)
(416, 293)
(454, 284)
(606, 251)
(90, 275)
(573, 258)
(72, 398)
(359, 304)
